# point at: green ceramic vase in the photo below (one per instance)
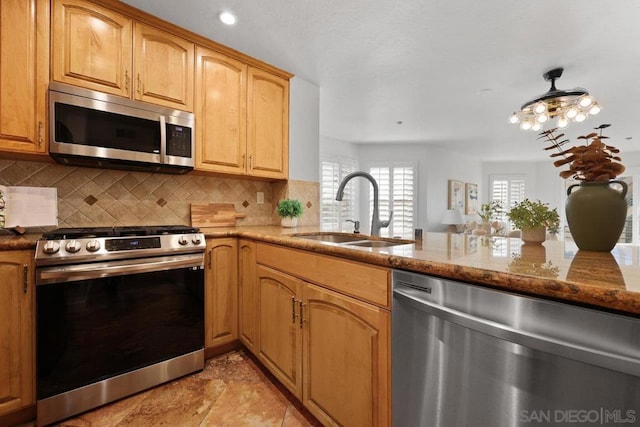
(596, 213)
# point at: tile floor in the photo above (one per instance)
(232, 390)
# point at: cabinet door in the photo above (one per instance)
(221, 108)
(163, 64)
(247, 295)
(24, 74)
(221, 292)
(346, 359)
(17, 362)
(267, 124)
(91, 47)
(279, 327)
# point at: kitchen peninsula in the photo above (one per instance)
(556, 269)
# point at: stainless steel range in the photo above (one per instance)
(119, 310)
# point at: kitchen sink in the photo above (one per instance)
(349, 239)
(376, 243)
(331, 237)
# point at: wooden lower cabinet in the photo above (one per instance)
(17, 332)
(331, 350)
(221, 292)
(247, 294)
(345, 359)
(278, 325)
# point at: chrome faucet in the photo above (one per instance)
(376, 224)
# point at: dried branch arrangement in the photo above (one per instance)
(594, 161)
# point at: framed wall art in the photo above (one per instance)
(471, 199)
(456, 195)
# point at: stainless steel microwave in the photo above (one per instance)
(89, 128)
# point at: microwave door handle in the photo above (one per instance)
(163, 138)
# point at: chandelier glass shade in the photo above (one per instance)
(561, 106)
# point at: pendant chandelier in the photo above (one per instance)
(563, 106)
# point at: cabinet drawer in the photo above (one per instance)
(362, 281)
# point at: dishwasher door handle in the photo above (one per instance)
(581, 353)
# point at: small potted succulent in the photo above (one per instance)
(289, 210)
(533, 219)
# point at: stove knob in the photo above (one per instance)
(73, 246)
(93, 245)
(51, 247)
(182, 240)
(196, 240)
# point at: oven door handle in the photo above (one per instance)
(73, 273)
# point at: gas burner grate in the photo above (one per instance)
(90, 232)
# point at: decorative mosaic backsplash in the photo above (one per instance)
(90, 197)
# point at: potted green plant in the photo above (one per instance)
(289, 210)
(488, 212)
(532, 219)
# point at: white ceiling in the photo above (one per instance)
(450, 71)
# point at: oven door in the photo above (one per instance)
(101, 320)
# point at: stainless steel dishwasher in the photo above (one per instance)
(466, 355)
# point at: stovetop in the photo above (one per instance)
(92, 232)
(83, 245)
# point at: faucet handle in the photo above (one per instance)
(386, 223)
(356, 226)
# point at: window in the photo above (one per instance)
(396, 184)
(508, 190)
(333, 214)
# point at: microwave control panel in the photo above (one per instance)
(178, 140)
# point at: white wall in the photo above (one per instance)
(436, 165)
(304, 130)
(330, 146)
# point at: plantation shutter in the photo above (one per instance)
(508, 190)
(333, 214)
(396, 183)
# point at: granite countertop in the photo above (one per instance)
(11, 242)
(555, 269)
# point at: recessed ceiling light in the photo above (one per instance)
(227, 18)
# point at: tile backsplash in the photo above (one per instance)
(90, 197)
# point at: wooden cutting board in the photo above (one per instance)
(214, 215)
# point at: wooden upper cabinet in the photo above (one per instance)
(101, 49)
(221, 110)
(267, 124)
(24, 75)
(17, 356)
(91, 47)
(243, 118)
(163, 65)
